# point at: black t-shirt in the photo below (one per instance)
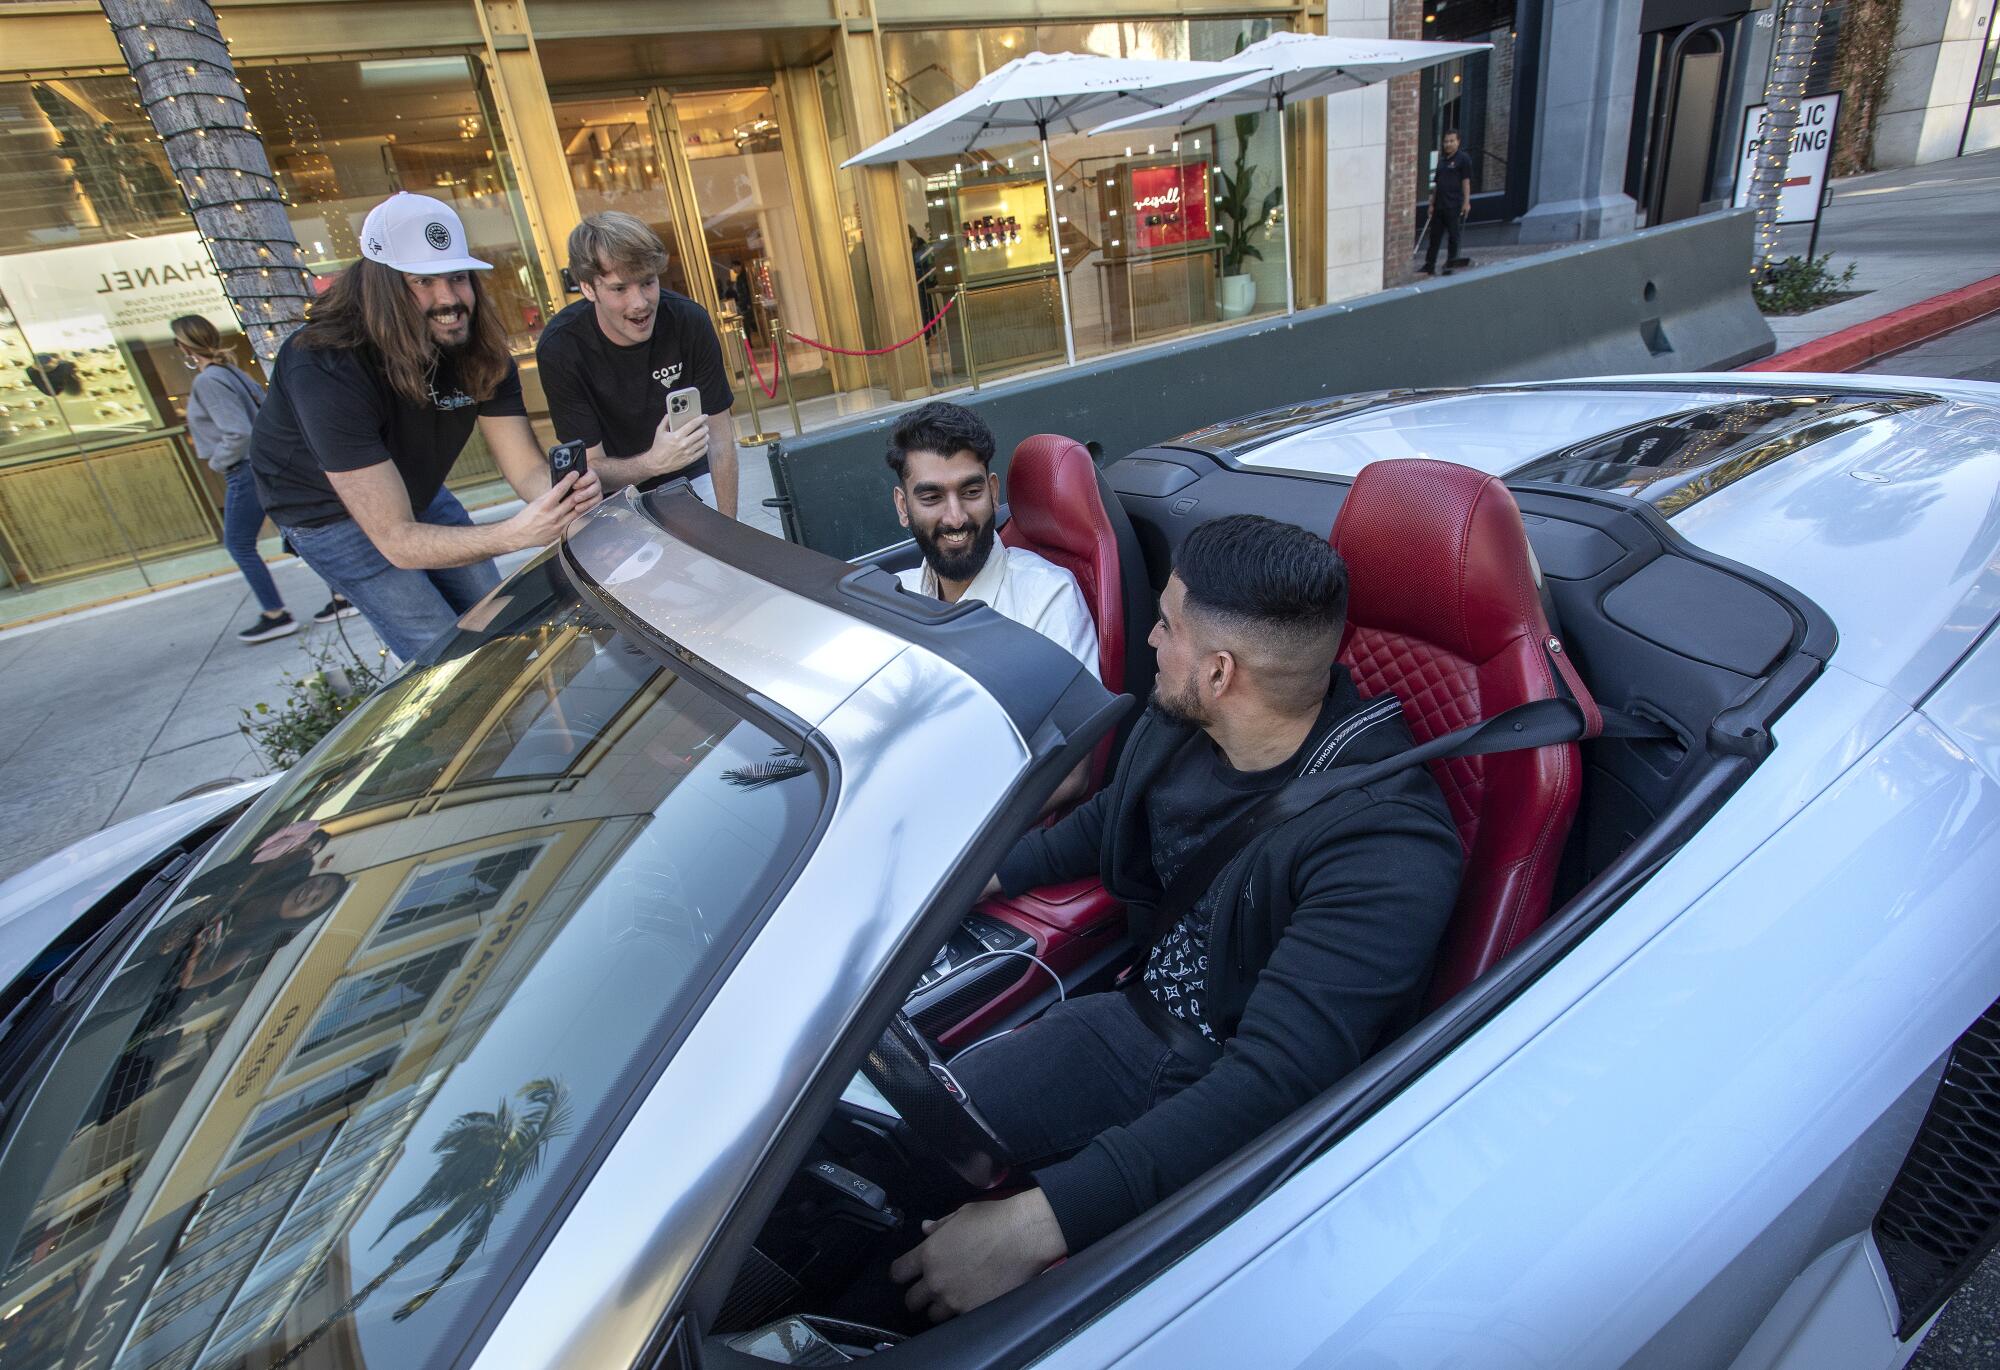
(1452, 174)
(336, 411)
(605, 393)
(1199, 794)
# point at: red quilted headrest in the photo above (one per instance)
(1436, 551)
(1056, 508)
(1052, 498)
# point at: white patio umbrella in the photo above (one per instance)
(1033, 94)
(1285, 69)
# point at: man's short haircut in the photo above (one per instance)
(1277, 588)
(941, 427)
(614, 241)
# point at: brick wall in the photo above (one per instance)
(1399, 216)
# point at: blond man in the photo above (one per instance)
(609, 361)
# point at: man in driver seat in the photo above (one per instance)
(1306, 948)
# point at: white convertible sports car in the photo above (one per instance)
(579, 1001)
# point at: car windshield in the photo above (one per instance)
(334, 1092)
(1491, 431)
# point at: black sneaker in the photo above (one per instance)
(1427, 271)
(264, 627)
(337, 607)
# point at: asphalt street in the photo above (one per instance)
(1971, 353)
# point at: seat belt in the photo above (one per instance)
(1538, 723)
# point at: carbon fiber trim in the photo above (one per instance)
(762, 1291)
(1942, 1215)
(950, 1002)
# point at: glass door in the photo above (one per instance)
(616, 161)
(745, 213)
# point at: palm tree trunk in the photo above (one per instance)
(188, 88)
(1798, 29)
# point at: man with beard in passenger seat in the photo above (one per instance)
(949, 499)
(1308, 948)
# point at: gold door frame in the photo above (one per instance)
(691, 243)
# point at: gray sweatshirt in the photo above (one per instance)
(222, 405)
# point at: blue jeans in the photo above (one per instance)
(407, 609)
(242, 520)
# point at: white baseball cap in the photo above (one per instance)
(417, 235)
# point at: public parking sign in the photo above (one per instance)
(1812, 153)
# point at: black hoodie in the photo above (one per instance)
(1323, 943)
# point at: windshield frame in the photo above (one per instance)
(478, 1321)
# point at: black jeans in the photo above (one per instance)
(1088, 1064)
(1446, 221)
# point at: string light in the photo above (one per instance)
(227, 193)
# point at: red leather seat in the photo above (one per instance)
(1058, 508)
(1445, 612)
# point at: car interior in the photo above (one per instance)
(1467, 598)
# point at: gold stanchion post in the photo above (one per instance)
(785, 377)
(965, 338)
(758, 437)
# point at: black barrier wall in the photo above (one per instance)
(1675, 298)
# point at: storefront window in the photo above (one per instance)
(1153, 245)
(99, 494)
(1473, 96)
(344, 135)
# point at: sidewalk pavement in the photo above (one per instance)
(113, 711)
(1912, 234)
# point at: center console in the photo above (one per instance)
(969, 971)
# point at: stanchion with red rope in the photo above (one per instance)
(878, 351)
(757, 436)
(780, 374)
(771, 390)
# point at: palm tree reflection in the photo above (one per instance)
(483, 1157)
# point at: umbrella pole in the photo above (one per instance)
(1285, 190)
(1055, 242)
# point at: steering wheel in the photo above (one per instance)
(912, 1077)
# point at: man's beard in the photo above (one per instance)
(455, 345)
(958, 566)
(1182, 705)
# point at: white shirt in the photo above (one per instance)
(1031, 590)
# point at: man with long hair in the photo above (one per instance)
(370, 405)
(609, 361)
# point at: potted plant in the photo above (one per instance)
(1235, 219)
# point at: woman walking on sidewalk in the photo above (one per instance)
(222, 405)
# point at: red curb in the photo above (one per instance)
(1864, 342)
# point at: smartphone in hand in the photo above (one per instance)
(566, 457)
(683, 408)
